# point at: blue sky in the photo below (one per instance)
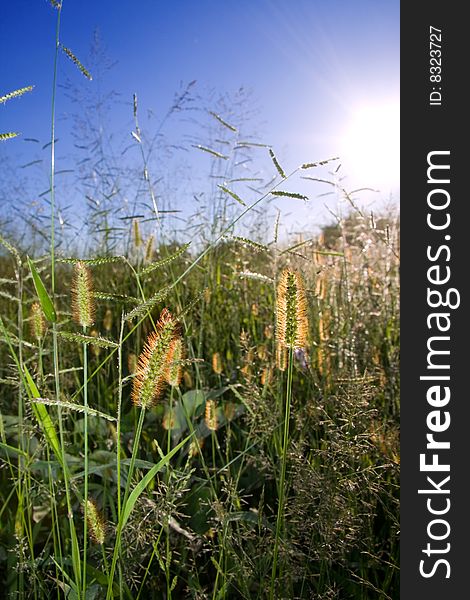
(310, 64)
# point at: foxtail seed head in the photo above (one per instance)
(154, 361)
(149, 249)
(281, 357)
(175, 358)
(38, 324)
(108, 320)
(83, 307)
(216, 363)
(95, 522)
(291, 311)
(137, 236)
(211, 415)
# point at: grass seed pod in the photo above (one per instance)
(83, 307)
(37, 321)
(154, 360)
(95, 522)
(291, 311)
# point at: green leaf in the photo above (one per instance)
(44, 299)
(41, 414)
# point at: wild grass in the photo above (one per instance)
(200, 416)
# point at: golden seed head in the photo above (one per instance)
(154, 360)
(268, 332)
(83, 307)
(108, 320)
(38, 323)
(281, 357)
(149, 249)
(194, 446)
(211, 415)
(169, 421)
(266, 376)
(137, 236)
(216, 363)
(229, 410)
(291, 311)
(94, 348)
(95, 522)
(188, 380)
(175, 358)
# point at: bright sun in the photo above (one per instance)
(371, 147)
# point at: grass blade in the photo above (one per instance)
(44, 298)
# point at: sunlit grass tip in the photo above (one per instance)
(291, 311)
(154, 362)
(37, 321)
(95, 522)
(83, 306)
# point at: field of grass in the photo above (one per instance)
(214, 420)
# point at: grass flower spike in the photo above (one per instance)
(175, 367)
(291, 311)
(83, 308)
(38, 324)
(154, 361)
(96, 525)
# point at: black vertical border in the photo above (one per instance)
(426, 128)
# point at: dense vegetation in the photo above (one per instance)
(214, 420)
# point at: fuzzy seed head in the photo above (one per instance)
(211, 415)
(154, 361)
(281, 357)
(108, 320)
(175, 358)
(38, 324)
(188, 380)
(137, 236)
(291, 311)
(229, 410)
(83, 307)
(149, 249)
(195, 446)
(266, 376)
(94, 347)
(95, 522)
(216, 363)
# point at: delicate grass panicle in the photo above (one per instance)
(154, 361)
(37, 321)
(83, 307)
(291, 311)
(96, 524)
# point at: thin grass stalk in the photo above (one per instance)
(85, 491)
(285, 445)
(117, 544)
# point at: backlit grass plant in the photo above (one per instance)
(291, 334)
